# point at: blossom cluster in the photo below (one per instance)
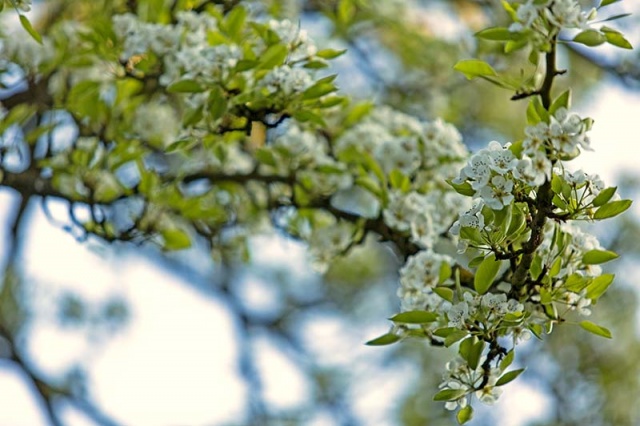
(536, 15)
(419, 276)
(421, 152)
(496, 174)
(401, 142)
(462, 378)
(186, 52)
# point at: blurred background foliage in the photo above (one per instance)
(400, 53)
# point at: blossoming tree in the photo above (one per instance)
(211, 122)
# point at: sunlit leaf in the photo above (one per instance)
(29, 28)
(595, 257)
(385, 339)
(449, 394)
(590, 38)
(486, 273)
(464, 415)
(596, 329)
(509, 376)
(472, 68)
(612, 209)
(415, 317)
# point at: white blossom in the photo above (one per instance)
(418, 277)
(286, 80)
(498, 194)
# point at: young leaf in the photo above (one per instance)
(612, 209)
(462, 188)
(616, 17)
(617, 39)
(507, 360)
(185, 86)
(273, 56)
(599, 285)
(415, 317)
(496, 34)
(449, 394)
(509, 377)
(464, 415)
(590, 38)
(444, 292)
(562, 101)
(330, 53)
(472, 68)
(604, 3)
(475, 352)
(445, 272)
(385, 339)
(317, 90)
(29, 28)
(596, 257)
(486, 273)
(455, 336)
(604, 196)
(175, 239)
(595, 329)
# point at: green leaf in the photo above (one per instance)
(540, 109)
(415, 317)
(385, 339)
(509, 376)
(604, 196)
(217, 103)
(306, 115)
(273, 56)
(246, 64)
(330, 53)
(475, 352)
(596, 329)
(513, 45)
(616, 17)
(464, 415)
(29, 28)
(462, 188)
(555, 267)
(612, 209)
(486, 273)
(507, 360)
(234, 22)
(472, 68)
(510, 10)
(562, 101)
(604, 3)
(175, 239)
(454, 337)
(532, 115)
(318, 89)
(449, 394)
(616, 38)
(471, 234)
(445, 272)
(596, 257)
(398, 180)
(496, 34)
(576, 282)
(185, 86)
(465, 347)
(315, 65)
(599, 285)
(444, 292)
(537, 330)
(590, 38)
(444, 331)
